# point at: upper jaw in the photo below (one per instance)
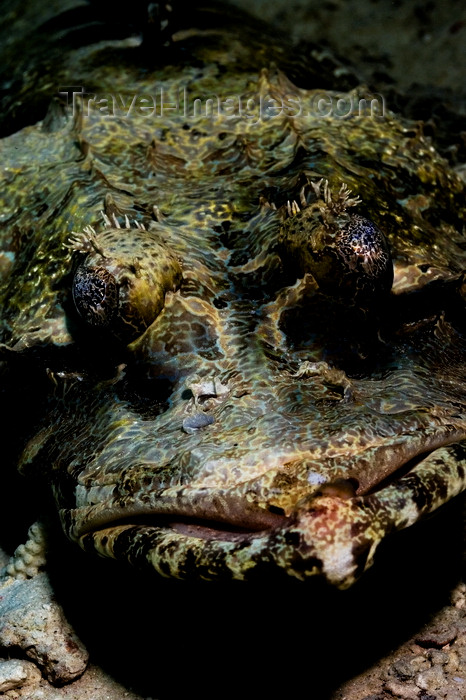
(332, 536)
(258, 504)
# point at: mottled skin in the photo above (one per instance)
(262, 423)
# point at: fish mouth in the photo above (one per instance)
(244, 512)
(204, 529)
(333, 531)
(197, 513)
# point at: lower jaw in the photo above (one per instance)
(332, 536)
(231, 514)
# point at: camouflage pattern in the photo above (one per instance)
(263, 416)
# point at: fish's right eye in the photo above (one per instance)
(95, 295)
(121, 283)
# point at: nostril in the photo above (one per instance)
(146, 396)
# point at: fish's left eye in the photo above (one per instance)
(360, 257)
(347, 254)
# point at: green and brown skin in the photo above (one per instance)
(258, 425)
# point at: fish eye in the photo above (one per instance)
(120, 283)
(363, 256)
(95, 295)
(346, 253)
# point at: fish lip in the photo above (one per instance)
(230, 518)
(209, 530)
(395, 459)
(330, 537)
(226, 515)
